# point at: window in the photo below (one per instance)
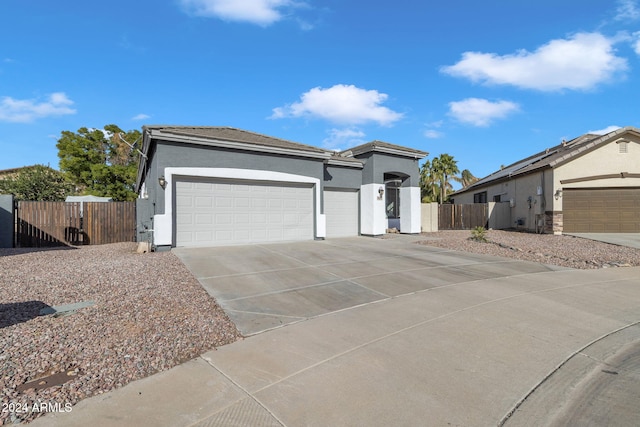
(497, 198)
(480, 197)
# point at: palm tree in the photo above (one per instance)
(429, 188)
(444, 168)
(467, 178)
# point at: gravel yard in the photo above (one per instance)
(565, 251)
(150, 314)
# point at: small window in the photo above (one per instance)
(623, 147)
(497, 198)
(480, 197)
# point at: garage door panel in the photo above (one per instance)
(341, 209)
(203, 219)
(601, 210)
(240, 212)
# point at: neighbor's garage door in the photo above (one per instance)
(341, 211)
(602, 210)
(215, 213)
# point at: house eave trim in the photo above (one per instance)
(334, 162)
(597, 177)
(157, 134)
(388, 150)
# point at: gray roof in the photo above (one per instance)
(386, 147)
(550, 157)
(234, 135)
(221, 136)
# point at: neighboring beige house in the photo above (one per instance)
(588, 184)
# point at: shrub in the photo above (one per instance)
(479, 234)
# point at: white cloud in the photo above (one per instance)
(481, 112)
(580, 62)
(636, 42)
(604, 131)
(433, 134)
(344, 104)
(141, 117)
(260, 12)
(627, 10)
(27, 110)
(340, 139)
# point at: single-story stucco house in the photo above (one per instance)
(211, 186)
(588, 184)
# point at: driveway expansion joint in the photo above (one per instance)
(246, 392)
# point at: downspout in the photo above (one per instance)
(543, 206)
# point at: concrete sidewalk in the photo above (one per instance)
(464, 354)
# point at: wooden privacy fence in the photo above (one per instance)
(74, 223)
(462, 217)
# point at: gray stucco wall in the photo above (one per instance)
(342, 177)
(6, 221)
(170, 154)
(377, 164)
(144, 223)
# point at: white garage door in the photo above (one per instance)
(229, 212)
(341, 210)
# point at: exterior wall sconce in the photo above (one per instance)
(162, 182)
(557, 194)
(380, 193)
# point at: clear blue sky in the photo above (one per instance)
(487, 82)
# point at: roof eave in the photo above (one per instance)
(414, 154)
(592, 145)
(220, 143)
(344, 163)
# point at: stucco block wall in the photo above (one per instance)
(144, 220)
(429, 220)
(499, 215)
(6, 221)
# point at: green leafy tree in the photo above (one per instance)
(100, 162)
(37, 183)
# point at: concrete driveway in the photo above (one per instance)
(262, 287)
(631, 240)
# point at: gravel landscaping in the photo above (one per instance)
(149, 314)
(561, 250)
